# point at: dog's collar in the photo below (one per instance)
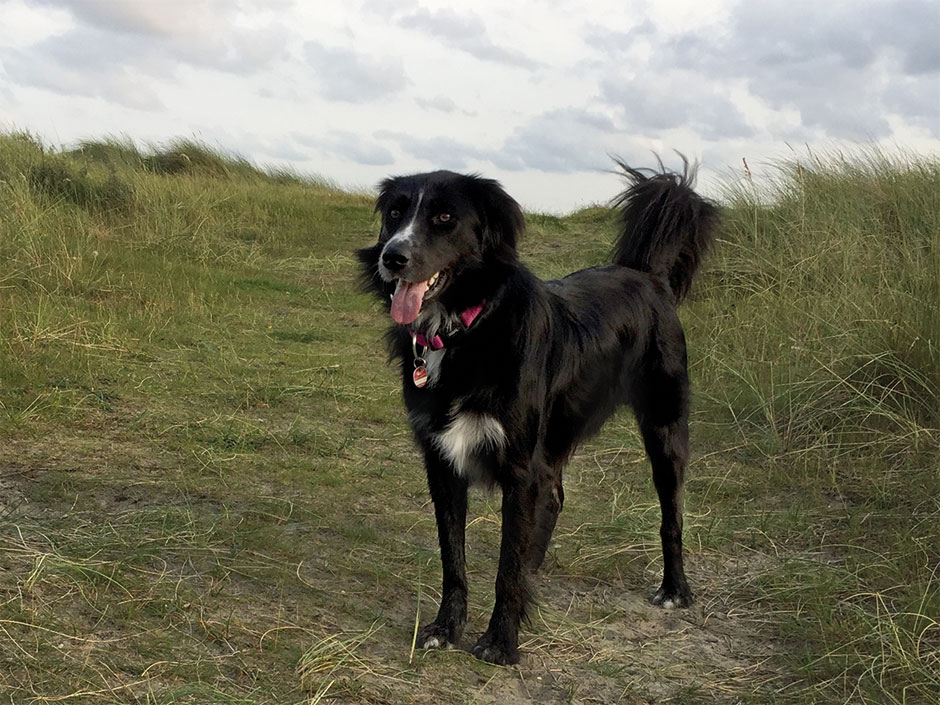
(436, 342)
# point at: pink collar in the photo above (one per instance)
(467, 317)
(470, 315)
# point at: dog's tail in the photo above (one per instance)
(667, 226)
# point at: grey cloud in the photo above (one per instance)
(856, 33)
(584, 118)
(249, 145)
(165, 18)
(55, 72)
(242, 52)
(442, 152)
(285, 149)
(676, 99)
(824, 59)
(349, 146)
(345, 75)
(922, 52)
(386, 9)
(617, 42)
(560, 141)
(156, 39)
(466, 33)
(115, 45)
(113, 53)
(135, 18)
(918, 99)
(442, 103)
(787, 34)
(7, 98)
(841, 65)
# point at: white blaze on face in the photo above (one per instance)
(406, 234)
(408, 297)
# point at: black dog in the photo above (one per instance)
(504, 374)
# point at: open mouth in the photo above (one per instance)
(410, 296)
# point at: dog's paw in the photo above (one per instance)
(670, 598)
(434, 636)
(493, 650)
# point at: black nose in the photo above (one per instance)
(394, 259)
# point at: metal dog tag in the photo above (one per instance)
(420, 376)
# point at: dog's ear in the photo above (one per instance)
(385, 191)
(382, 201)
(503, 221)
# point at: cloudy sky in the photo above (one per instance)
(535, 94)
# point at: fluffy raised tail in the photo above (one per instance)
(667, 227)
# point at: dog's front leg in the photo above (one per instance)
(500, 643)
(449, 492)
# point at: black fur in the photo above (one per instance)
(539, 370)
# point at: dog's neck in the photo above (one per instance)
(435, 320)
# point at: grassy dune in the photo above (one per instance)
(208, 493)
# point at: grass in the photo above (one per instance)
(208, 492)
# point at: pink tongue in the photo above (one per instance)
(406, 303)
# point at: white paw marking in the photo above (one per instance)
(432, 642)
(669, 605)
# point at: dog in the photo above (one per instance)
(503, 374)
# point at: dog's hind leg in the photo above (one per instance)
(551, 498)
(449, 493)
(668, 449)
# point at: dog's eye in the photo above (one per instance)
(394, 214)
(442, 218)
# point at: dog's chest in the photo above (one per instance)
(470, 441)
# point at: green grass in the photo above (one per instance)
(208, 492)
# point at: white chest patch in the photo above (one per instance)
(469, 432)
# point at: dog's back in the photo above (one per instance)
(617, 324)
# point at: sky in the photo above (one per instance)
(535, 94)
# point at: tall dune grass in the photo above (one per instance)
(823, 308)
(817, 361)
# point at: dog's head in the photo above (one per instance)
(443, 237)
